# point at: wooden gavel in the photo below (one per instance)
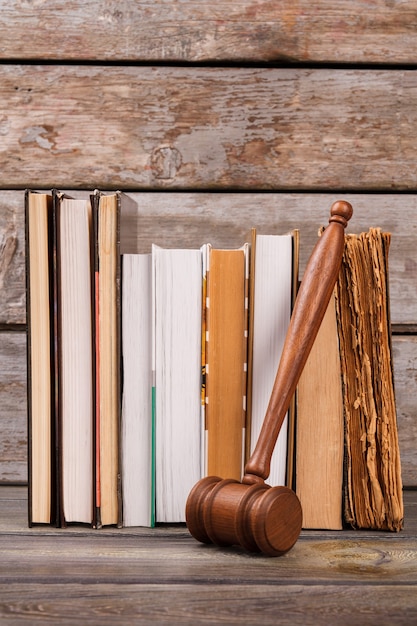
(250, 513)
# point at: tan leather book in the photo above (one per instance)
(107, 210)
(319, 431)
(40, 357)
(226, 360)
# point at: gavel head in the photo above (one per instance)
(255, 516)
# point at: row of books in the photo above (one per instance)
(73, 286)
(148, 371)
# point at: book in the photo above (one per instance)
(106, 212)
(348, 469)
(40, 370)
(176, 364)
(372, 471)
(193, 384)
(60, 374)
(274, 278)
(137, 435)
(75, 357)
(226, 360)
(73, 309)
(319, 430)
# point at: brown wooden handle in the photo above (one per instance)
(310, 306)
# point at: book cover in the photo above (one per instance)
(107, 341)
(39, 235)
(226, 360)
(320, 430)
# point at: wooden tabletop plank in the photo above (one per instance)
(169, 555)
(208, 128)
(214, 603)
(163, 575)
(174, 560)
(193, 31)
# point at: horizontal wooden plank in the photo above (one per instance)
(13, 431)
(207, 128)
(181, 560)
(188, 30)
(189, 219)
(296, 605)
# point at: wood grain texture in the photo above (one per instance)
(405, 379)
(207, 128)
(13, 440)
(13, 425)
(183, 219)
(12, 258)
(191, 31)
(214, 603)
(162, 575)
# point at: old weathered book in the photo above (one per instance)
(226, 360)
(273, 280)
(348, 467)
(319, 431)
(372, 485)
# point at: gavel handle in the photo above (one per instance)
(310, 306)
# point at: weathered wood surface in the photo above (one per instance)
(163, 576)
(287, 604)
(13, 440)
(358, 31)
(225, 219)
(12, 258)
(405, 377)
(13, 412)
(207, 128)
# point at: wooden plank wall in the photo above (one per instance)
(216, 117)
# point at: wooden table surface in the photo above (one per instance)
(163, 576)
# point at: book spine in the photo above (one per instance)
(95, 199)
(28, 358)
(56, 427)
